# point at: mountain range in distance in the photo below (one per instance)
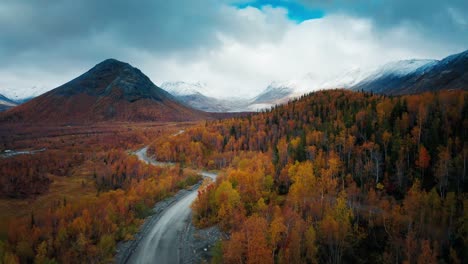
(195, 95)
(426, 75)
(115, 90)
(6, 103)
(394, 78)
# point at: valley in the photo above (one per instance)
(234, 132)
(78, 172)
(334, 167)
(111, 168)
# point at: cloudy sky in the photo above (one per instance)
(236, 47)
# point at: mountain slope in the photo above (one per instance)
(394, 78)
(6, 103)
(280, 92)
(184, 88)
(110, 91)
(196, 95)
(416, 76)
(273, 94)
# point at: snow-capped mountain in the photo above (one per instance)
(185, 88)
(274, 93)
(388, 75)
(402, 67)
(416, 76)
(280, 92)
(6, 103)
(23, 95)
(197, 95)
(345, 79)
(398, 77)
(385, 76)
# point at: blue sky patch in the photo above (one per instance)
(296, 11)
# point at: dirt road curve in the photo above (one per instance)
(164, 240)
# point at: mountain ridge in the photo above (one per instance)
(197, 95)
(448, 73)
(110, 91)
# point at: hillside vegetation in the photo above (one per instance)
(336, 176)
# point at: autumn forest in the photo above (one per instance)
(334, 176)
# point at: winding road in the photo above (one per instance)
(164, 242)
(142, 156)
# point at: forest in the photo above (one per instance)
(334, 176)
(84, 193)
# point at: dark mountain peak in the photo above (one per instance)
(113, 66)
(113, 78)
(110, 91)
(112, 62)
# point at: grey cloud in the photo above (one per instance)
(45, 43)
(162, 26)
(437, 19)
(89, 29)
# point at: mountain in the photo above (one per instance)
(23, 95)
(394, 78)
(24, 100)
(185, 88)
(280, 92)
(6, 103)
(416, 76)
(110, 91)
(195, 95)
(274, 94)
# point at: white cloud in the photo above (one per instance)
(322, 47)
(255, 48)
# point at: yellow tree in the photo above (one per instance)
(277, 227)
(304, 184)
(310, 245)
(227, 200)
(335, 228)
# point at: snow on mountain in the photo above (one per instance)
(197, 95)
(5, 100)
(345, 79)
(6, 103)
(274, 92)
(399, 68)
(20, 95)
(279, 92)
(416, 76)
(185, 88)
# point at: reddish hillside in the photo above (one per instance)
(110, 91)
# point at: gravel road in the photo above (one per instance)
(168, 236)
